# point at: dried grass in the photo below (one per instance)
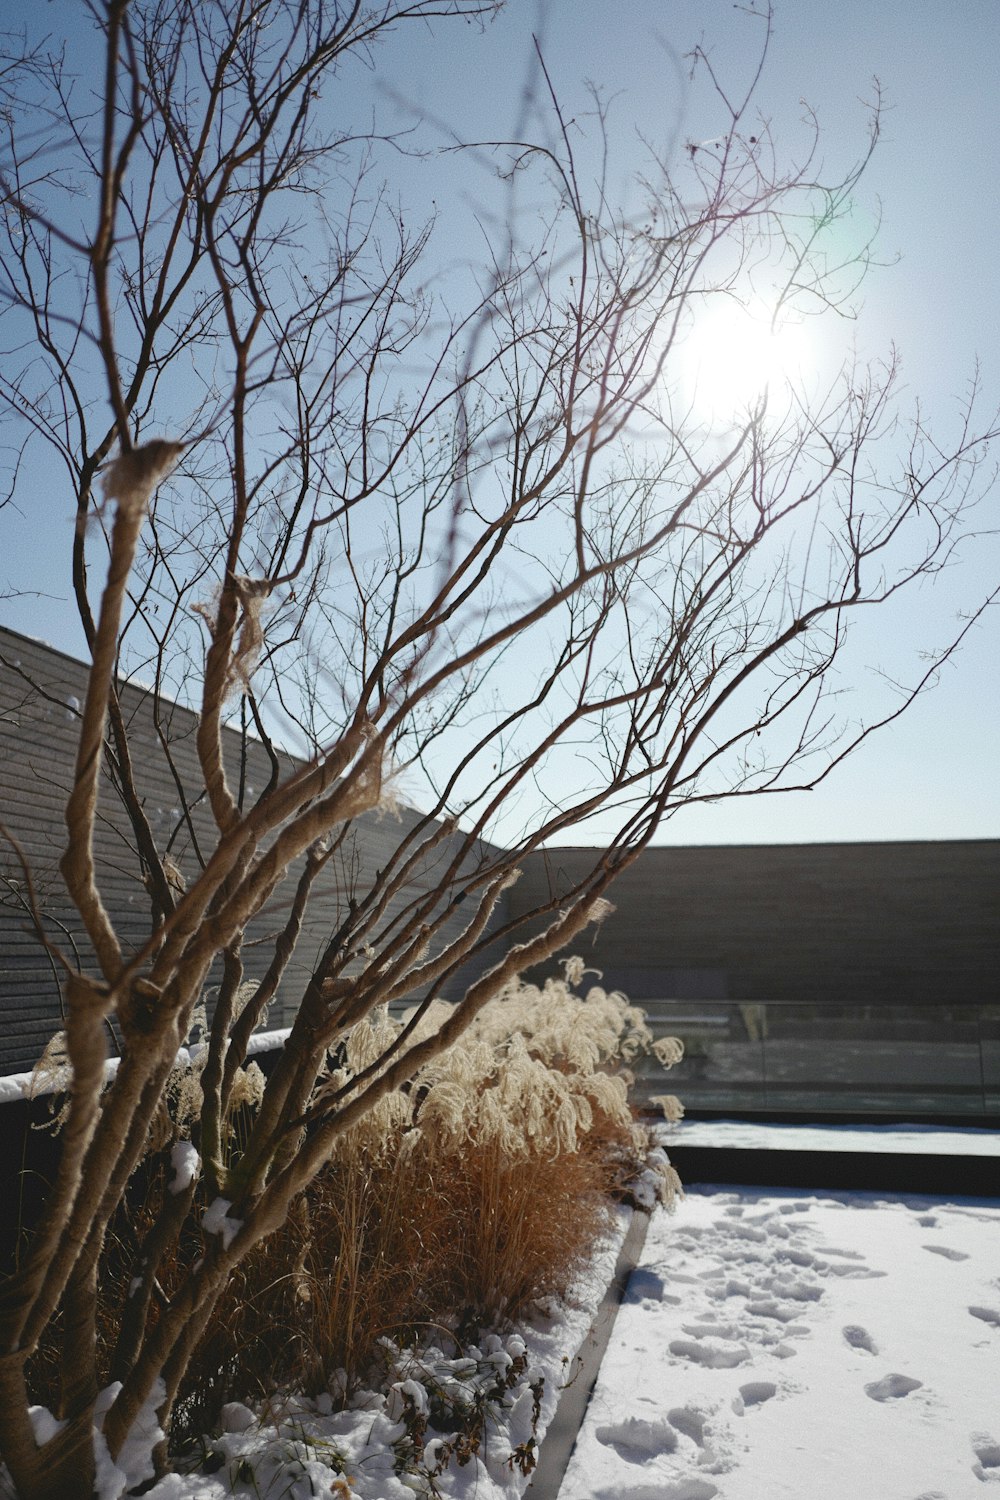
(394, 1248)
(453, 1207)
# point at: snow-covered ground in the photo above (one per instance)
(921, 1140)
(771, 1346)
(296, 1449)
(798, 1346)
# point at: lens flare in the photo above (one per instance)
(737, 357)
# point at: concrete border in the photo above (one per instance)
(560, 1436)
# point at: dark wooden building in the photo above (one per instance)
(861, 977)
(868, 924)
(41, 691)
(819, 978)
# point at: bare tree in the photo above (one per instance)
(491, 551)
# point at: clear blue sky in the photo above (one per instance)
(935, 181)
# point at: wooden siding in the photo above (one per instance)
(848, 924)
(40, 694)
(855, 924)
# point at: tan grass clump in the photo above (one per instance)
(452, 1207)
(456, 1204)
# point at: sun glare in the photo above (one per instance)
(737, 357)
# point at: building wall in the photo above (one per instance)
(41, 691)
(854, 925)
(861, 924)
(839, 979)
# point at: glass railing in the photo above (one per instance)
(778, 1057)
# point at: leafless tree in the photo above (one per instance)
(470, 536)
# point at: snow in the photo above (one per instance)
(404, 1392)
(16, 1086)
(797, 1344)
(43, 1424)
(185, 1164)
(928, 1140)
(268, 1041)
(236, 1417)
(134, 1463)
(770, 1346)
(215, 1220)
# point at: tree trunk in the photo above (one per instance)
(63, 1469)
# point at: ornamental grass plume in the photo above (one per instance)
(457, 1203)
(539, 1067)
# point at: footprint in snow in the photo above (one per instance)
(713, 1353)
(798, 1288)
(946, 1252)
(892, 1387)
(987, 1451)
(860, 1338)
(738, 1229)
(636, 1440)
(754, 1393)
(732, 1286)
(644, 1285)
(778, 1311)
(684, 1489)
(690, 1421)
(986, 1315)
(851, 1271)
(707, 1328)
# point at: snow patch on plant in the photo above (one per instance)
(215, 1220)
(185, 1164)
(657, 1182)
(134, 1464)
(482, 1407)
(43, 1424)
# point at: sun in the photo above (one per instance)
(736, 356)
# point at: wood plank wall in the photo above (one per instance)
(850, 924)
(40, 693)
(855, 924)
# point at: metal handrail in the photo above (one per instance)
(892, 1060)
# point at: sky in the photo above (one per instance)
(933, 183)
